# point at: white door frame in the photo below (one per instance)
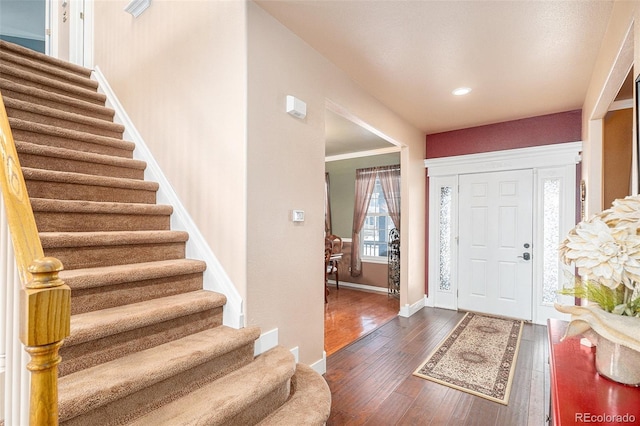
(557, 161)
(81, 14)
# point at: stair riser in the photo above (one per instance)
(35, 161)
(71, 191)
(64, 123)
(92, 222)
(144, 401)
(106, 115)
(109, 296)
(94, 352)
(82, 94)
(262, 408)
(92, 257)
(18, 63)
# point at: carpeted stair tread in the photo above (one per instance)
(121, 377)
(110, 238)
(11, 89)
(107, 322)
(84, 179)
(29, 53)
(69, 160)
(40, 68)
(52, 116)
(19, 76)
(44, 134)
(83, 216)
(309, 404)
(76, 206)
(85, 278)
(230, 399)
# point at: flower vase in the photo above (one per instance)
(617, 362)
(617, 340)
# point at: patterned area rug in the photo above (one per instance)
(479, 357)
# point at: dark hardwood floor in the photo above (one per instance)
(350, 314)
(371, 379)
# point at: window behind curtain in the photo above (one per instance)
(375, 231)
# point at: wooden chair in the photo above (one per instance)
(334, 243)
(327, 263)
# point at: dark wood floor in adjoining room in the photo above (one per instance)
(371, 380)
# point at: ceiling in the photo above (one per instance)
(521, 58)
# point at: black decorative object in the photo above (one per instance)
(393, 257)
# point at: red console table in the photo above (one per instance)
(578, 393)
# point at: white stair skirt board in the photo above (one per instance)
(266, 341)
(214, 277)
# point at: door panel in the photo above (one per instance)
(495, 216)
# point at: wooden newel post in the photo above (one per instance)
(46, 316)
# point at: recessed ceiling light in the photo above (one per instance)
(461, 91)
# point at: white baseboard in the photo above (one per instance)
(407, 310)
(361, 286)
(320, 366)
(428, 301)
(266, 341)
(296, 353)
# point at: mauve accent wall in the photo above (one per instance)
(536, 131)
(543, 130)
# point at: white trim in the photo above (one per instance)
(359, 154)
(296, 353)
(407, 310)
(215, 278)
(513, 159)
(320, 366)
(266, 341)
(623, 104)
(136, 7)
(428, 301)
(361, 286)
(88, 24)
(380, 260)
(445, 172)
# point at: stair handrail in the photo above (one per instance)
(45, 311)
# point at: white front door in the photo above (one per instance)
(495, 238)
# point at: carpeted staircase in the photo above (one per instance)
(147, 344)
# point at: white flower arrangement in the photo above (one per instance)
(606, 251)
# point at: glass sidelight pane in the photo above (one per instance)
(446, 197)
(551, 238)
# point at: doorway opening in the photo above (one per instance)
(361, 304)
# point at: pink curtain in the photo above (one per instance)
(390, 181)
(365, 181)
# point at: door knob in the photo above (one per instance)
(525, 256)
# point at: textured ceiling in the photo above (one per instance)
(521, 58)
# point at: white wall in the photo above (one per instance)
(286, 171)
(205, 84)
(619, 50)
(180, 72)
